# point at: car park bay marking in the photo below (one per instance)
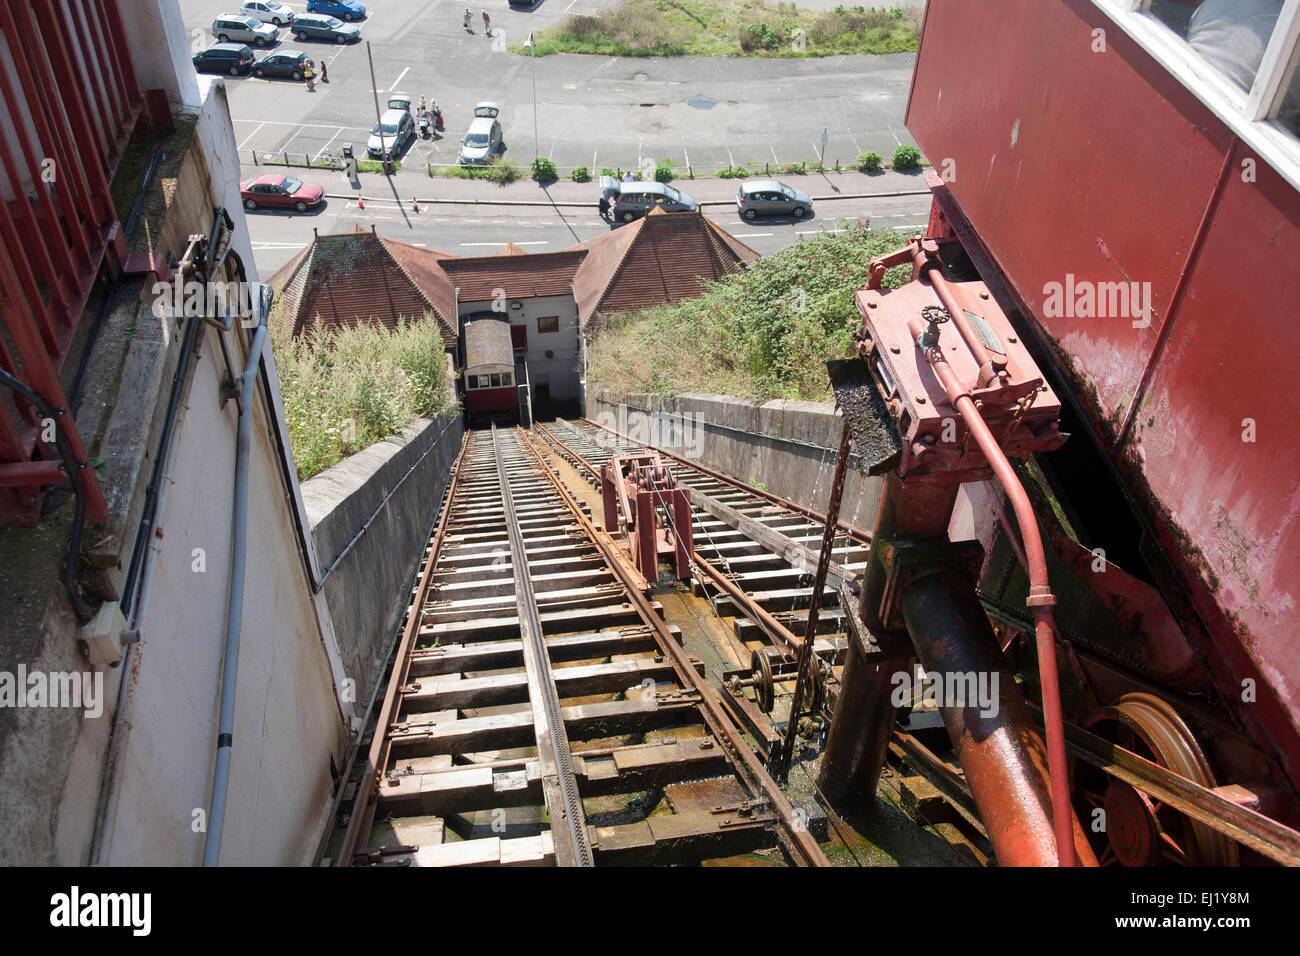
(743, 235)
(250, 136)
(399, 79)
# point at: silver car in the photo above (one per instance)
(268, 11)
(483, 138)
(766, 197)
(233, 28)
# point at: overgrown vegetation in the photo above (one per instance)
(907, 156)
(344, 389)
(544, 170)
(503, 172)
(869, 162)
(762, 333)
(729, 28)
(580, 174)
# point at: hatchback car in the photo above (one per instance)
(483, 139)
(268, 11)
(632, 200)
(314, 26)
(762, 197)
(230, 27)
(343, 9)
(290, 63)
(235, 59)
(398, 131)
(280, 192)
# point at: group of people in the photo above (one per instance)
(469, 22)
(433, 115)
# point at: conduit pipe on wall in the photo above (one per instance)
(1040, 600)
(235, 602)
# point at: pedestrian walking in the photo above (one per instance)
(487, 23)
(309, 76)
(324, 72)
(604, 206)
(469, 17)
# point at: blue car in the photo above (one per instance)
(343, 9)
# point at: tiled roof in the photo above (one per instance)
(357, 276)
(520, 275)
(660, 259)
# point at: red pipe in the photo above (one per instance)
(1040, 600)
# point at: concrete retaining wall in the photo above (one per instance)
(786, 447)
(380, 542)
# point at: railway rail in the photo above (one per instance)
(541, 711)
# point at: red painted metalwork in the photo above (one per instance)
(643, 501)
(74, 97)
(1051, 195)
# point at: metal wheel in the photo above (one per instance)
(628, 216)
(259, 72)
(300, 37)
(300, 206)
(799, 212)
(750, 214)
(1141, 830)
(340, 39)
(250, 203)
(223, 38)
(297, 74)
(234, 71)
(764, 692)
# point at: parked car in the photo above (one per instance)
(234, 59)
(631, 200)
(398, 129)
(290, 63)
(760, 197)
(343, 9)
(483, 139)
(280, 192)
(268, 11)
(230, 27)
(315, 26)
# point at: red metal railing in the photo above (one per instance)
(69, 89)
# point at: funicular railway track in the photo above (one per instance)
(540, 710)
(755, 558)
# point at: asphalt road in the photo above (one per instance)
(702, 113)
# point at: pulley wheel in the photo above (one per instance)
(764, 691)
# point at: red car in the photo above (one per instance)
(280, 192)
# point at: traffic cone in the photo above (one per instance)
(415, 205)
(361, 203)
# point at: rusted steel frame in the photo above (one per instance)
(39, 373)
(857, 534)
(782, 768)
(363, 806)
(1040, 600)
(1263, 834)
(559, 783)
(38, 88)
(121, 50)
(711, 711)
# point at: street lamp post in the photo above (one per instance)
(532, 54)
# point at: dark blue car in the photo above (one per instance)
(343, 9)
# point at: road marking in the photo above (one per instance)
(250, 136)
(327, 143)
(399, 79)
(534, 242)
(688, 159)
(856, 144)
(607, 64)
(593, 161)
(569, 7)
(895, 135)
(817, 232)
(774, 159)
(750, 235)
(731, 160)
(312, 125)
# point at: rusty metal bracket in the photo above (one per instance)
(909, 559)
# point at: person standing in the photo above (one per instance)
(604, 206)
(309, 76)
(487, 23)
(469, 26)
(324, 72)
